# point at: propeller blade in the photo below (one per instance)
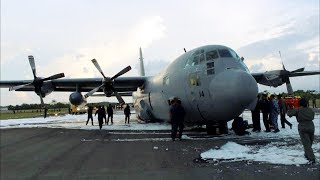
(18, 87)
(298, 70)
(93, 91)
(41, 100)
(33, 66)
(125, 70)
(56, 76)
(283, 67)
(96, 64)
(289, 87)
(118, 96)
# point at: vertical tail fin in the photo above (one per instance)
(141, 64)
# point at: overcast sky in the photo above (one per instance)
(63, 36)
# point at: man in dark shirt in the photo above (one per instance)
(177, 114)
(110, 113)
(265, 108)
(256, 116)
(283, 110)
(90, 108)
(127, 114)
(101, 114)
(239, 126)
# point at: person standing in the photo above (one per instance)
(177, 114)
(265, 109)
(283, 110)
(274, 111)
(314, 103)
(127, 114)
(90, 109)
(306, 129)
(104, 116)
(101, 114)
(110, 113)
(256, 116)
(45, 112)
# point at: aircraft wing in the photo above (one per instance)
(121, 84)
(304, 73)
(279, 77)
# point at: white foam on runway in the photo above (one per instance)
(79, 122)
(275, 153)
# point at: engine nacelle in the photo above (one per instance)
(45, 89)
(108, 92)
(76, 98)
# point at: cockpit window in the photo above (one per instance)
(228, 53)
(224, 53)
(211, 55)
(234, 54)
(196, 58)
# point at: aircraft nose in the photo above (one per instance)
(232, 91)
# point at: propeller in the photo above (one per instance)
(107, 83)
(286, 74)
(37, 81)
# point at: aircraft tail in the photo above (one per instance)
(141, 64)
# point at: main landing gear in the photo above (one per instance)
(217, 129)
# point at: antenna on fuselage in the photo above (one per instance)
(185, 50)
(141, 64)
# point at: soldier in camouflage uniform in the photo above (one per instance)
(304, 116)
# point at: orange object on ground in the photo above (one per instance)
(292, 101)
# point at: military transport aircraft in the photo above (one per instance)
(212, 81)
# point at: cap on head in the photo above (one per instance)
(303, 102)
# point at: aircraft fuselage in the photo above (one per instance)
(212, 82)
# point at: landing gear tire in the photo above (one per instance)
(217, 129)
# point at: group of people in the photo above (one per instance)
(271, 108)
(101, 111)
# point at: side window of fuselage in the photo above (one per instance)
(211, 56)
(210, 68)
(194, 80)
(166, 80)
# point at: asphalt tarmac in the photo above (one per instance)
(48, 153)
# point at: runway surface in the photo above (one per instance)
(74, 154)
(122, 153)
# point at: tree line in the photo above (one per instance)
(309, 95)
(24, 106)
